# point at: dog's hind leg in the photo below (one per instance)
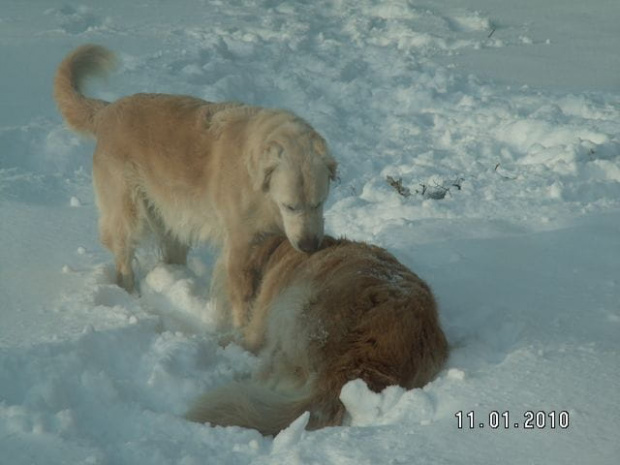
(173, 251)
(116, 235)
(120, 221)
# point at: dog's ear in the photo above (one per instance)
(320, 148)
(265, 163)
(332, 166)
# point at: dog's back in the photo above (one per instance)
(349, 311)
(379, 318)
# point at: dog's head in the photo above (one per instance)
(294, 168)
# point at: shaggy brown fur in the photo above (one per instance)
(192, 170)
(348, 311)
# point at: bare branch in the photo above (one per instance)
(398, 185)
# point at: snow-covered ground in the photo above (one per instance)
(502, 119)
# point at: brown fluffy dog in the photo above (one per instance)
(191, 170)
(348, 311)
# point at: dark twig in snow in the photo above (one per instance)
(398, 185)
(458, 183)
(435, 192)
(510, 178)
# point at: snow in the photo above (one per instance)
(501, 119)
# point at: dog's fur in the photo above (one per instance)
(192, 170)
(348, 311)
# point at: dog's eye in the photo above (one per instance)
(290, 208)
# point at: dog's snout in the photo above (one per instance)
(309, 244)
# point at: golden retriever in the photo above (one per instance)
(348, 311)
(191, 171)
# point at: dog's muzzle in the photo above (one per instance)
(309, 244)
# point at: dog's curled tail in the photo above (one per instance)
(253, 404)
(85, 62)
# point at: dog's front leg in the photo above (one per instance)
(242, 283)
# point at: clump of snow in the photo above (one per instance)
(365, 407)
(456, 374)
(292, 435)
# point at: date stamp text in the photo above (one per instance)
(531, 419)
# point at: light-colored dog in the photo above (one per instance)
(348, 311)
(192, 171)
